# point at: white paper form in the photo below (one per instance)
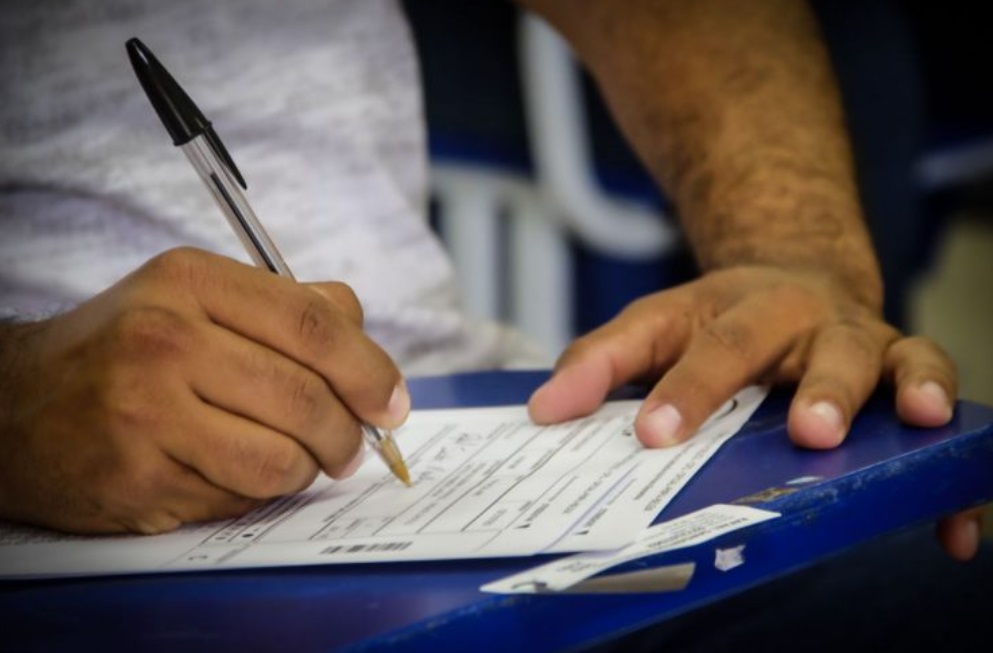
(696, 527)
(487, 482)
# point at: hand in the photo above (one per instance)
(703, 341)
(959, 534)
(194, 389)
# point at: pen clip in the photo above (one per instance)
(181, 116)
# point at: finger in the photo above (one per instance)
(152, 493)
(925, 381)
(577, 387)
(843, 368)
(643, 339)
(247, 379)
(190, 499)
(723, 356)
(343, 299)
(320, 333)
(240, 455)
(959, 534)
(207, 502)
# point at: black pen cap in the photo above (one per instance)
(179, 114)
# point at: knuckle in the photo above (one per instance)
(579, 349)
(868, 345)
(143, 480)
(317, 325)
(127, 413)
(127, 405)
(734, 340)
(919, 357)
(151, 331)
(344, 297)
(131, 492)
(279, 470)
(185, 266)
(308, 395)
(920, 345)
(659, 321)
(655, 315)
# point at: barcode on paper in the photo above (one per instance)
(374, 547)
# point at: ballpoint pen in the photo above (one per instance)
(194, 134)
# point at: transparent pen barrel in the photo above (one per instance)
(227, 193)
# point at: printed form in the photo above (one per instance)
(486, 482)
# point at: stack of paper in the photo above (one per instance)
(487, 482)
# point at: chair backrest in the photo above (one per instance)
(509, 233)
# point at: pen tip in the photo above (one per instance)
(391, 454)
(400, 471)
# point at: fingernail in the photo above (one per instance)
(831, 416)
(937, 393)
(399, 404)
(973, 535)
(972, 528)
(661, 425)
(353, 465)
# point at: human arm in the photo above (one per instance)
(733, 108)
(193, 389)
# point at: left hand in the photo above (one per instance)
(703, 341)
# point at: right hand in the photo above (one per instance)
(194, 389)
(960, 534)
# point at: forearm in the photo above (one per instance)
(12, 373)
(11, 364)
(732, 106)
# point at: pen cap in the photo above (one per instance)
(179, 114)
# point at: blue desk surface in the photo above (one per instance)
(884, 478)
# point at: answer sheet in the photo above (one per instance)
(486, 482)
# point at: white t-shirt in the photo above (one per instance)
(318, 102)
